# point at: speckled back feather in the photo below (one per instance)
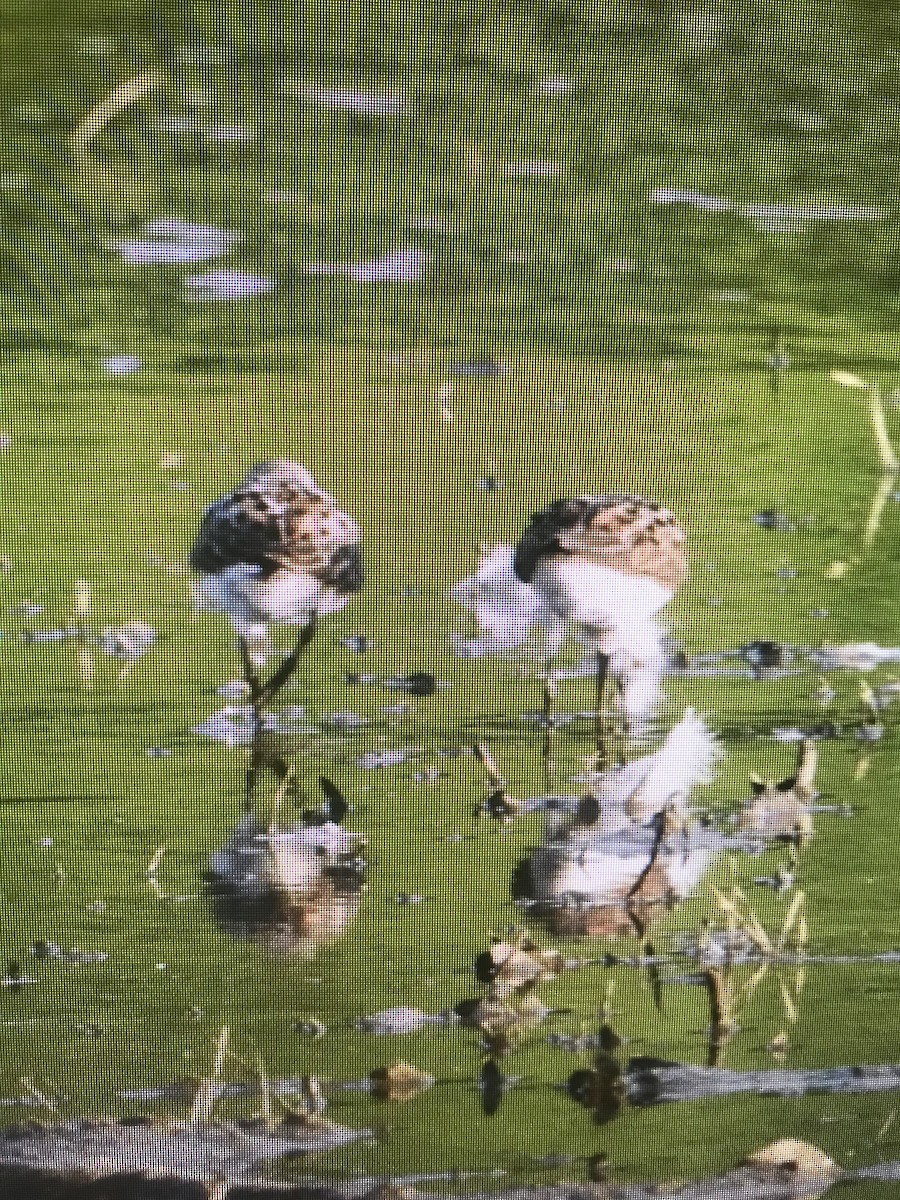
(622, 532)
(278, 518)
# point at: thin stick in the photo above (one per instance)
(549, 696)
(886, 452)
(599, 727)
(722, 1023)
(35, 1094)
(885, 1126)
(793, 913)
(210, 1089)
(115, 102)
(790, 1007)
(484, 756)
(883, 492)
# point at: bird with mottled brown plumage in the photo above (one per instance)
(276, 550)
(607, 564)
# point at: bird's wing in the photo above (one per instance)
(251, 527)
(625, 533)
(632, 535)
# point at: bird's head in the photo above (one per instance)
(281, 472)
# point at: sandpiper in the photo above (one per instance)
(607, 564)
(276, 550)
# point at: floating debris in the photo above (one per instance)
(670, 195)
(374, 104)
(359, 643)
(345, 720)
(227, 285)
(128, 642)
(74, 957)
(782, 880)
(400, 1082)
(418, 683)
(771, 518)
(311, 1027)
(121, 364)
(554, 85)
(400, 266)
(478, 368)
(196, 1149)
(15, 978)
(535, 168)
(28, 610)
(837, 569)
(377, 759)
(235, 689)
(236, 724)
(763, 657)
(771, 218)
(429, 775)
(573, 1043)
(394, 1021)
(176, 242)
(871, 732)
(855, 656)
(824, 693)
(489, 484)
(33, 636)
(826, 731)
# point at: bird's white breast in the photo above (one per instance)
(579, 590)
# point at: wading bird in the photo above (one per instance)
(607, 564)
(276, 550)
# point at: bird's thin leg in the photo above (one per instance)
(623, 730)
(602, 668)
(250, 780)
(254, 686)
(550, 691)
(280, 677)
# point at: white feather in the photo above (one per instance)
(637, 660)
(252, 602)
(508, 612)
(594, 595)
(686, 759)
(601, 862)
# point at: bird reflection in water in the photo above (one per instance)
(629, 851)
(292, 886)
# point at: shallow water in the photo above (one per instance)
(547, 250)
